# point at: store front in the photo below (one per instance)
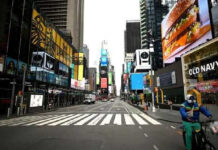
(200, 71)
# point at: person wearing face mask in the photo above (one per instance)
(190, 112)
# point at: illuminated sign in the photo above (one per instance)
(44, 35)
(103, 52)
(185, 27)
(97, 78)
(36, 100)
(1, 63)
(104, 61)
(104, 83)
(80, 67)
(110, 78)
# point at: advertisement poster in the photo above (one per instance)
(1, 63)
(110, 78)
(72, 71)
(104, 61)
(36, 100)
(97, 79)
(104, 83)
(11, 66)
(185, 27)
(136, 81)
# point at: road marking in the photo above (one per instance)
(85, 120)
(151, 120)
(33, 118)
(53, 120)
(173, 127)
(65, 120)
(155, 147)
(101, 108)
(35, 122)
(128, 119)
(74, 120)
(107, 119)
(125, 107)
(145, 135)
(117, 119)
(139, 120)
(96, 120)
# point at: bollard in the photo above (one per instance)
(24, 110)
(8, 114)
(18, 111)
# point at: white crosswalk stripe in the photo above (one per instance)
(107, 119)
(64, 120)
(74, 120)
(151, 120)
(117, 119)
(82, 120)
(96, 120)
(139, 120)
(85, 120)
(128, 119)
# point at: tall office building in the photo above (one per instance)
(152, 13)
(67, 15)
(132, 36)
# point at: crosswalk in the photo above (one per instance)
(81, 120)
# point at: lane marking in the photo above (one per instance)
(96, 120)
(35, 122)
(53, 120)
(74, 120)
(128, 119)
(173, 127)
(117, 119)
(82, 122)
(65, 120)
(145, 135)
(155, 147)
(139, 120)
(151, 120)
(107, 119)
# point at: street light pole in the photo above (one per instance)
(152, 74)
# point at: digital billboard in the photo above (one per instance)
(110, 78)
(136, 81)
(104, 83)
(103, 52)
(45, 36)
(103, 72)
(185, 27)
(97, 78)
(104, 61)
(1, 63)
(80, 67)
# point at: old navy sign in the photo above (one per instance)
(203, 68)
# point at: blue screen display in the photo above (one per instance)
(136, 81)
(104, 61)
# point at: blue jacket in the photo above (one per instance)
(186, 107)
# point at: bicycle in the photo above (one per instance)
(200, 140)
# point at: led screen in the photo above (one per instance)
(186, 26)
(104, 83)
(36, 100)
(110, 78)
(103, 52)
(136, 81)
(104, 61)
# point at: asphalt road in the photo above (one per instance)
(100, 126)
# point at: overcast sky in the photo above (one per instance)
(106, 20)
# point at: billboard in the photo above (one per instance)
(36, 100)
(185, 27)
(128, 67)
(104, 83)
(80, 67)
(103, 72)
(45, 36)
(104, 61)
(72, 71)
(136, 81)
(97, 78)
(103, 52)
(110, 78)
(11, 66)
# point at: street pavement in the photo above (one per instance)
(101, 126)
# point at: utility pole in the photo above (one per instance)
(152, 73)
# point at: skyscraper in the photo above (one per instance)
(67, 15)
(132, 36)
